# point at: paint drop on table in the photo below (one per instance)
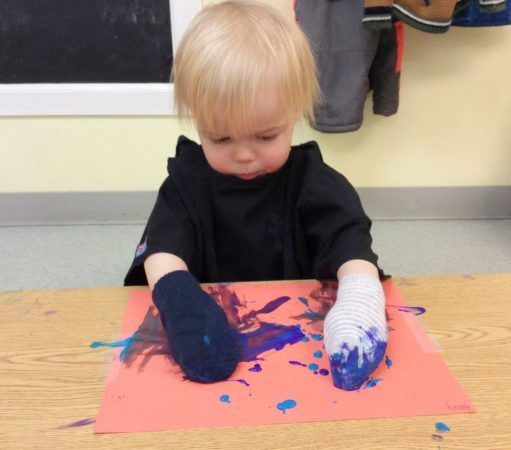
(313, 366)
(441, 427)
(317, 337)
(318, 354)
(225, 398)
(286, 404)
(388, 361)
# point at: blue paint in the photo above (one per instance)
(311, 315)
(313, 366)
(304, 301)
(297, 363)
(318, 354)
(207, 339)
(323, 372)
(348, 372)
(372, 383)
(225, 398)
(305, 339)
(269, 336)
(126, 343)
(316, 337)
(256, 368)
(442, 427)
(286, 404)
(388, 361)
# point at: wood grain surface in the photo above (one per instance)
(50, 377)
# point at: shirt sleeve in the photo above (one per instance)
(168, 230)
(336, 227)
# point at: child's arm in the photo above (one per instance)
(159, 264)
(200, 337)
(355, 328)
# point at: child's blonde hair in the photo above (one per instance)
(235, 51)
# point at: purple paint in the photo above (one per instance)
(256, 368)
(269, 336)
(297, 363)
(415, 310)
(244, 382)
(437, 437)
(79, 423)
(50, 312)
(388, 362)
(323, 372)
(273, 305)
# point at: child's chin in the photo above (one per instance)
(249, 176)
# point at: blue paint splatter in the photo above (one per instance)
(304, 301)
(372, 383)
(323, 372)
(286, 404)
(318, 354)
(317, 337)
(305, 339)
(442, 427)
(256, 368)
(297, 363)
(388, 361)
(126, 343)
(225, 398)
(313, 366)
(207, 339)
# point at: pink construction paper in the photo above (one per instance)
(146, 390)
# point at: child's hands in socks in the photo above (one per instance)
(356, 330)
(200, 337)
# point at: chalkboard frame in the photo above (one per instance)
(100, 99)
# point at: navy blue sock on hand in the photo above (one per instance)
(200, 337)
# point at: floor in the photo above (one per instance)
(36, 257)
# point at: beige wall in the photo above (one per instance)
(453, 129)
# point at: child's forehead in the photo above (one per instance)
(265, 114)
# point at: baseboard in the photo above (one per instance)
(404, 203)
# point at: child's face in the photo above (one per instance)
(262, 148)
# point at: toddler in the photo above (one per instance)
(246, 205)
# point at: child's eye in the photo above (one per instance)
(267, 138)
(220, 140)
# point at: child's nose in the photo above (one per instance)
(244, 155)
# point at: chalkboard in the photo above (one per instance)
(85, 41)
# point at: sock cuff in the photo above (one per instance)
(178, 284)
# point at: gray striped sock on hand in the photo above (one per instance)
(356, 330)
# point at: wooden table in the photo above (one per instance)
(50, 377)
